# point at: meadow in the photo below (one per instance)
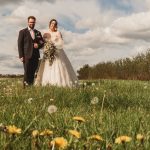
(97, 115)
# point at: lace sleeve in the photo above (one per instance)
(59, 41)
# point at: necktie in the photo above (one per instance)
(32, 34)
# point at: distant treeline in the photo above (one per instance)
(136, 68)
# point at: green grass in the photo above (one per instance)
(123, 109)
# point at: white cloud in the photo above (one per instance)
(134, 23)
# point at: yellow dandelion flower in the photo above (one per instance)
(140, 137)
(35, 133)
(80, 119)
(46, 132)
(59, 142)
(13, 129)
(96, 137)
(75, 133)
(123, 139)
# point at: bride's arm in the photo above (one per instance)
(59, 41)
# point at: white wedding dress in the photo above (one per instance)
(61, 72)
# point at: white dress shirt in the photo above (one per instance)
(32, 33)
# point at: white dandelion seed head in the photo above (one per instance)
(52, 109)
(94, 100)
(1, 125)
(93, 84)
(51, 99)
(19, 82)
(85, 83)
(30, 100)
(75, 81)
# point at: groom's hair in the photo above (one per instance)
(31, 17)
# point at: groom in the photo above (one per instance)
(29, 42)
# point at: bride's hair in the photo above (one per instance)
(52, 21)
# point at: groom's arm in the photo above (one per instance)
(21, 44)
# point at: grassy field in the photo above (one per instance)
(109, 109)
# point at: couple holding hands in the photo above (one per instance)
(55, 67)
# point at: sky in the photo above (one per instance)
(94, 31)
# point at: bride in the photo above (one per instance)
(60, 71)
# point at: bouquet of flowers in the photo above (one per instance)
(49, 49)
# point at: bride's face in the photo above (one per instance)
(53, 25)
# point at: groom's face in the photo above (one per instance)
(31, 23)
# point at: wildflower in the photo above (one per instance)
(96, 137)
(79, 119)
(52, 109)
(75, 133)
(76, 82)
(140, 137)
(59, 142)
(1, 125)
(19, 82)
(85, 84)
(123, 139)
(30, 100)
(51, 99)
(46, 132)
(93, 84)
(35, 133)
(94, 100)
(13, 129)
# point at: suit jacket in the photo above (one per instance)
(25, 43)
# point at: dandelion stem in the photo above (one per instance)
(101, 113)
(53, 146)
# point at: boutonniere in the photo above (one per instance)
(37, 34)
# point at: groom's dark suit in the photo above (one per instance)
(29, 54)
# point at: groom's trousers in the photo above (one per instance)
(30, 66)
